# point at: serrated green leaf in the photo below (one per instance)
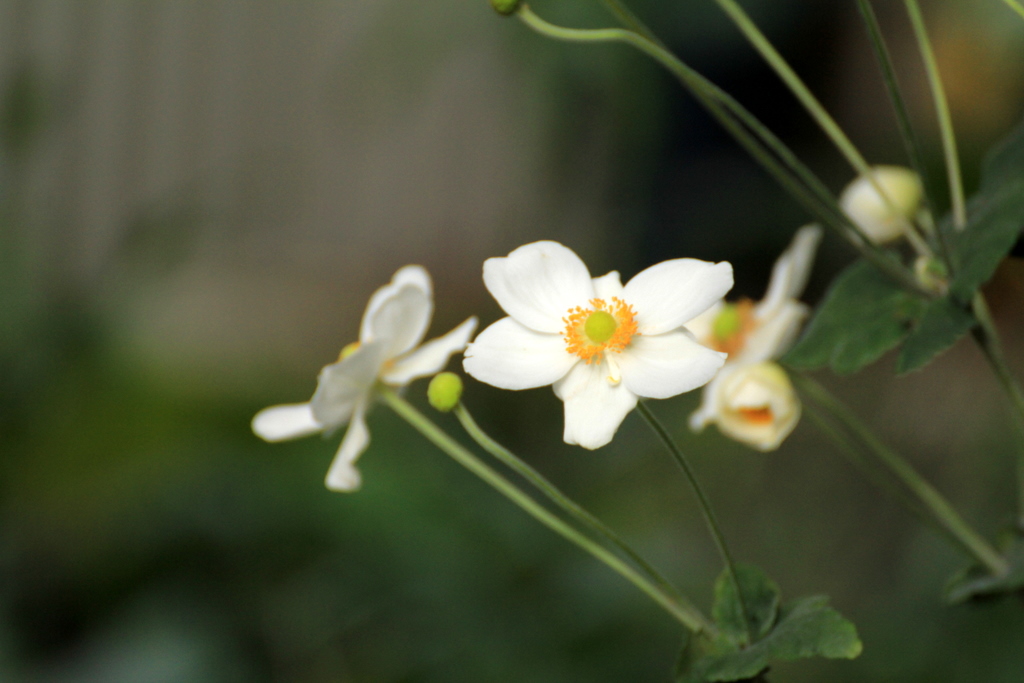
(807, 627)
(1005, 161)
(976, 582)
(863, 315)
(761, 597)
(943, 323)
(996, 221)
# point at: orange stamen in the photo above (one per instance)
(757, 416)
(579, 344)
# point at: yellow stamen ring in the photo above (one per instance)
(590, 332)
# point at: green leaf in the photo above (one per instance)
(807, 627)
(761, 597)
(976, 582)
(863, 315)
(1005, 161)
(996, 220)
(943, 323)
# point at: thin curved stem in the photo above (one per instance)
(800, 90)
(752, 135)
(555, 495)
(705, 505)
(796, 85)
(987, 337)
(929, 499)
(956, 186)
(1016, 7)
(683, 612)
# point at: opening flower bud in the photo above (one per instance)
(757, 405)
(445, 391)
(883, 218)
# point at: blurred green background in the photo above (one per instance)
(197, 199)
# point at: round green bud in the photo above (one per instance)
(444, 391)
(505, 7)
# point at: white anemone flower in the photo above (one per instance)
(753, 334)
(388, 352)
(600, 344)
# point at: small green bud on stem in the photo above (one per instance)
(444, 391)
(505, 7)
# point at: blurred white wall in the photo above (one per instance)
(318, 145)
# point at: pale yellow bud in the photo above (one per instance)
(756, 405)
(883, 219)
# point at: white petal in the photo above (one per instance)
(538, 283)
(412, 276)
(594, 407)
(670, 294)
(431, 357)
(400, 321)
(668, 364)
(342, 384)
(773, 336)
(510, 356)
(793, 267)
(608, 286)
(280, 423)
(343, 475)
(708, 410)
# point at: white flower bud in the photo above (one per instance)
(883, 219)
(754, 404)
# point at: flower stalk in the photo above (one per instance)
(987, 337)
(555, 495)
(925, 497)
(778, 160)
(705, 506)
(679, 608)
(956, 186)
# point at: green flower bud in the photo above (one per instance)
(932, 274)
(883, 219)
(444, 391)
(505, 7)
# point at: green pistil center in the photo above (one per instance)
(600, 326)
(727, 323)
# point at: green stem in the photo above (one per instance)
(684, 612)
(555, 495)
(796, 86)
(987, 337)
(925, 223)
(753, 136)
(800, 90)
(930, 499)
(631, 21)
(1015, 6)
(956, 187)
(705, 505)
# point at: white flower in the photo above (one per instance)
(883, 219)
(600, 344)
(754, 404)
(752, 334)
(395, 321)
